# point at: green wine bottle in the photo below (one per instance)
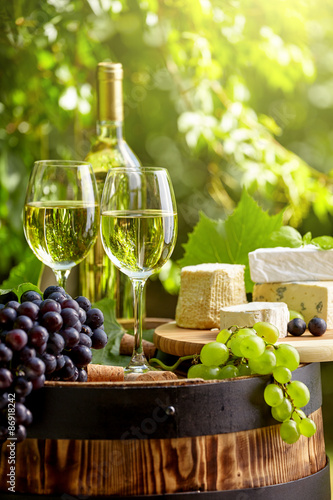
(98, 277)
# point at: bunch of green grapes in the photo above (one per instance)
(253, 351)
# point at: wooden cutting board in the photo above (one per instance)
(171, 339)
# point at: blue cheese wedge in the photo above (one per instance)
(311, 298)
(271, 265)
(241, 315)
(204, 289)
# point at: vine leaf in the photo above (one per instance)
(229, 241)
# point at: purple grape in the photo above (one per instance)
(71, 337)
(34, 368)
(23, 322)
(6, 354)
(296, 327)
(16, 339)
(85, 340)
(50, 362)
(38, 302)
(38, 382)
(99, 339)
(38, 336)
(6, 378)
(22, 386)
(20, 434)
(29, 296)
(52, 321)
(69, 316)
(81, 355)
(13, 304)
(87, 330)
(7, 317)
(58, 297)
(317, 326)
(52, 289)
(49, 305)
(60, 361)
(3, 400)
(28, 418)
(27, 353)
(82, 315)
(75, 376)
(68, 370)
(95, 318)
(55, 344)
(29, 309)
(71, 304)
(83, 302)
(83, 376)
(20, 413)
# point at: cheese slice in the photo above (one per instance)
(311, 298)
(276, 313)
(271, 265)
(204, 289)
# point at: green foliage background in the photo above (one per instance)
(224, 93)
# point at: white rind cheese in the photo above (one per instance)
(271, 265)
(242, 315)
(311, 298)
(204, 289)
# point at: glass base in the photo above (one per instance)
(138, 364)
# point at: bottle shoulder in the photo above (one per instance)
(107, 153)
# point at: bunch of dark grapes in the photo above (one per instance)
(47, 338)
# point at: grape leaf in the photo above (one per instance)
(249, 227)
(27, 271)
(109, 355)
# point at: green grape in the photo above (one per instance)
(212, 372)
(287, 355)
(237, 339)
(228, 371)
(273, 395)
(299, 393)
(283, 411)
(202, 371)
(289, 432)
(297, 415)
(214, 354)
(196, 371)
(295, 314)
(307, 427)
(244, 370)
(252, 347)
(270, 333)
(223, 336)
(282, 374)
(264, 364)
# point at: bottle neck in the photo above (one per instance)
(111, 130)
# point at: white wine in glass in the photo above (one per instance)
(139, 230)
(61, 214)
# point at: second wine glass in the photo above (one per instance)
(61, 214)
(139, 229)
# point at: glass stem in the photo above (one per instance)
(138, 361)
(61, 277)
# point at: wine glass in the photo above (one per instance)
(139, 229)
(61, 214)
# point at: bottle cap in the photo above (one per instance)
(110, 92)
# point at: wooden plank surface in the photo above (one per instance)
(172, 339)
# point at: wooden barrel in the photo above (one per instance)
(176, 439)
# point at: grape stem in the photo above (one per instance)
(173, 367)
